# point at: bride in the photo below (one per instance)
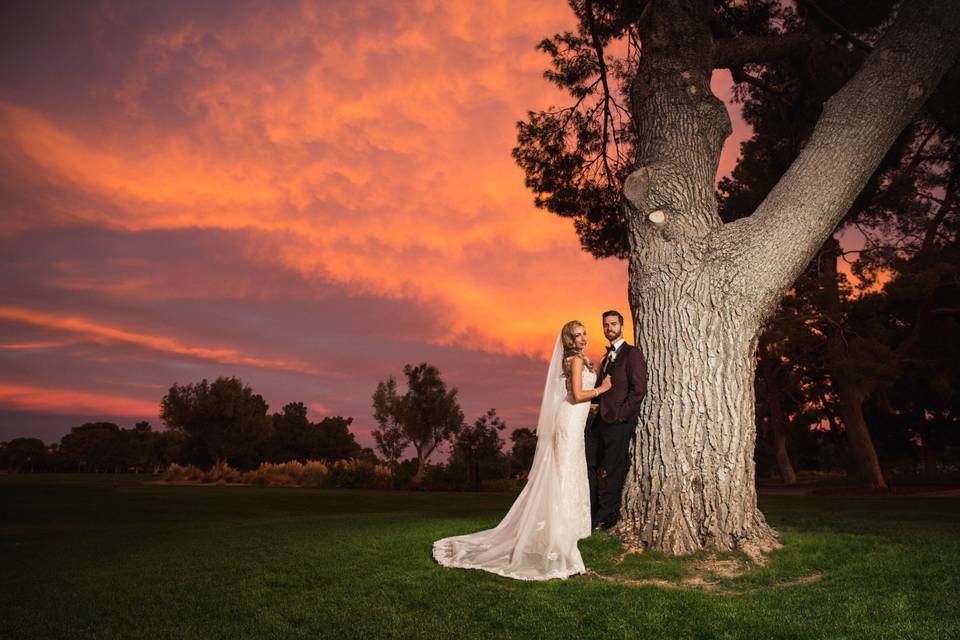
(537, 539)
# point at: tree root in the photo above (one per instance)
(704, 576)
(627, 551)
(758, 548)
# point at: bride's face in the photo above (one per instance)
(580, 338)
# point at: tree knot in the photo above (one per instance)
(636, 187)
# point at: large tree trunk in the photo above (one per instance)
(700, 290)
(692, 481)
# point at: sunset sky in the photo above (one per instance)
(304, 195)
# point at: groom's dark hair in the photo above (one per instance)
(612, 312)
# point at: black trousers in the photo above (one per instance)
(607, 446)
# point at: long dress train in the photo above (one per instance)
(537, 539)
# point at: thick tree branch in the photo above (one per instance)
(857, 127)
(735, 52)
(837, 27)
(739, 75)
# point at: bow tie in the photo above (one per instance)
(611, 349)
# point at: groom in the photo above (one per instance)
(609, 437)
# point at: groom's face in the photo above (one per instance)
(612, 328)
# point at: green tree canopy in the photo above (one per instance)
(93, 445)
(425, 416)
(294, 437)
(479, 447)
(226, 417)
(524, 446)
(23, 455)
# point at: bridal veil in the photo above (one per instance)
(537, 539)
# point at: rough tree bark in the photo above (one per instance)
(700, 289)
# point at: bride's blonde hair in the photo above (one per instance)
(570, 343)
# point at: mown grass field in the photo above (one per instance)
(111, 557)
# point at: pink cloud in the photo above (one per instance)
(106, 334)
(71, 401)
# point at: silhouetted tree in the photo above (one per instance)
(524, 446)
(290, 436)
(93, 446)
(172, 445)
(294, 437)
(334, 441)
(225, 418)
(478, 447)
(425, 416)
(24, 455)
(141, 449)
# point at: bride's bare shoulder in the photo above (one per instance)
(582, 362)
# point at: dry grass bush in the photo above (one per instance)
(268, 473)
(361, 474)
(340, 474)
(221, 474)
(176, 472)
(316, 473)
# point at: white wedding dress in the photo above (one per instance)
(537, 539)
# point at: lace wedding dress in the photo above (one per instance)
(537, 539)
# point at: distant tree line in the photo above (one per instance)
(224, 422)
(207, 423)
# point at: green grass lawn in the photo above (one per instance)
(111, 557)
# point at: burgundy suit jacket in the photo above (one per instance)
(629, 373)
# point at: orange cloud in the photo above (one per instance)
(368, 147)
(72, 402)
(29, 346)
